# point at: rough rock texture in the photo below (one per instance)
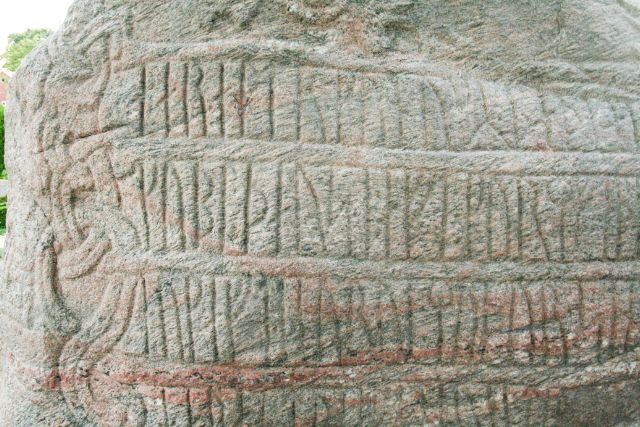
(326, 212)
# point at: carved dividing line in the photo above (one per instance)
(272, 129)
(223, 208)
(278, 214)
(298, 221)
(637, 219)
(177, 214)
(247, 208)
(168, 288)
(635, 121)
(520, 219)
(514, 119)
(163, 195)
(405, 217)
(189, 313)
(145, 306)
(562, 327)
(468, 214)
(532, 340)
(166, 83)
(145, 209)
(505, 163)
(367, 212)
(537, 196)
(185, 99)
(544, 346)
(211, 284)
(298, 104)
(488, 218)
(511, 332)
(387, 230)
(163, 336)
(164, 407)
(445, 218)
(266, 324)
(242, 102)
(195, 229)
(143, 95)
(229, 321)
(221, 85)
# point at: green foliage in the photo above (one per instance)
(1, 138)
(3, 200)
(3, 214)
(20, 44)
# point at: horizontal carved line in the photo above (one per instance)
(138, 370)
(354, 269)
(287, 51)
(488, 162)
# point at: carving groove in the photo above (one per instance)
(336, 230)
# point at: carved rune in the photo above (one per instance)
(241, 102)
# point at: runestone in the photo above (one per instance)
(325, 212)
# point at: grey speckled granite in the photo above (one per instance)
(326, 212)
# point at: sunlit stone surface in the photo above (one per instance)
(302, 212)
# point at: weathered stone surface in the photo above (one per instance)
(318, 212)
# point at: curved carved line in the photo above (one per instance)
(79, 262)
(81, 354)
(56, 314)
